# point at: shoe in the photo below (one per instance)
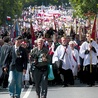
(72, 83)
(65, 85)
(89, 85)
(25, 87)
(43, 97)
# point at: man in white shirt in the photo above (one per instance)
(88, 52)
(67, 61)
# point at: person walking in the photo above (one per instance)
(63, 52)
(4, 48)
(76, 60)
(26, 77)
(40, 62)
(88, 52)
(17, 58)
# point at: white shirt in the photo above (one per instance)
(67, 60)
(75, 53)
(86, 57)
(16, 48)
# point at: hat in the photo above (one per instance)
(18, 38)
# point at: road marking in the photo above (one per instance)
(27, 93)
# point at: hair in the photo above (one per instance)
(72, 42)
(6, 39)
(63, 37)
(40, 39)
(88, 34)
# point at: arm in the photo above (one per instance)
(25, 59)
(82, 50)
(7, 58)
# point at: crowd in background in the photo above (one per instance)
(77, 51)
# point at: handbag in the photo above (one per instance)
(50, 72)
(59, 63)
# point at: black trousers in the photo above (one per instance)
(68, 76)
(57, 80)
(41, 81)
(89, 77)
(4, 79)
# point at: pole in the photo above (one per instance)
(90, 60)
(90, 49)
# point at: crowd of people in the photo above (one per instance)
(22, 63)
(80, 60)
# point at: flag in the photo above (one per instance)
(94, 34)
(17, 30)
(32, 33)
(8, 18)
(12, 33)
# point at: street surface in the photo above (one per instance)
(76, 91)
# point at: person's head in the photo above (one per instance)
(64, 41)
(68, 39)
(18, 41)
(50, 42)
(55, 38)
(72, 44)
(88, 36)
(24, 44)
(77, 36)
(6, 39)
(40, 43)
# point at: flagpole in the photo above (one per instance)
(90, 50)
(33, 38)
(90, 60)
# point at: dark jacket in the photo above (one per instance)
(36, 55)
(4, 49)
(18, 62)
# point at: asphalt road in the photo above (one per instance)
(76, 91)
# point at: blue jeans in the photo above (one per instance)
(15, 83)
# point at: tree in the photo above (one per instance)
(82, 7)
(9, 8)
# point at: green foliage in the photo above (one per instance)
(9, 8)
(84, 6)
